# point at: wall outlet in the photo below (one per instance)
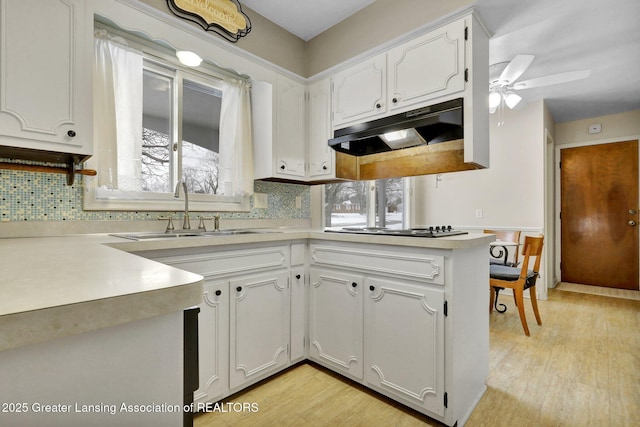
(298, 202)
(478, 213)
(260, 201)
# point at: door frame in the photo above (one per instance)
(558, 223)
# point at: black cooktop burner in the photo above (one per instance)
(431, 232)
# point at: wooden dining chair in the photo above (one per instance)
(506, 236)
(520, 278)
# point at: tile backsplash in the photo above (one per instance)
(32, 196)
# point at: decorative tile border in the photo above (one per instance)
(32, 196)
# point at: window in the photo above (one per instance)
(158, 123)
(380, 203)
(195, 156)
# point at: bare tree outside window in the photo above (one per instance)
(156, 151)
(346, 203)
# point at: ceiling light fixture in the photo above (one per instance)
(188, 58)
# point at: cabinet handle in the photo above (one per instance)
(218, 292)
(71, 133)
(239, 289)
(378, 105)
(395, 100)
(298, 276)
(354, 285)
(372, 288)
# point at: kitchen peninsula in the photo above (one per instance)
(85, 320)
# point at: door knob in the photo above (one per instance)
(632, 223)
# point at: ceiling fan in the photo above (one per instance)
(502, 86)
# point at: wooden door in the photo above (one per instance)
(599, 203)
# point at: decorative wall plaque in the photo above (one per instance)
(224, 17)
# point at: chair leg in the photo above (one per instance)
(518, 294)
(534, 303)
(492, 298)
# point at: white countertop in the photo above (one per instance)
(53, 287)
(59, 286)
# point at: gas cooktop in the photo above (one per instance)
(431, 232)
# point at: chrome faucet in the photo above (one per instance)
(186, 225)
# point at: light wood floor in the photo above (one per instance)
(580, 368)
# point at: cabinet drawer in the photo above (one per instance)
(399, 263)
(229, 262)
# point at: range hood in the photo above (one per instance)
(427, 140)
(423, 126)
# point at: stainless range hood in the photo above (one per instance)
(427, 140)
(428, 125)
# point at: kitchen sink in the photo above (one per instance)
(180, 234)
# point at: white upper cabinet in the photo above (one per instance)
(290, 146)
(320, 156)
(46, 76)
(422, 69)
(360, 91)
(429, 66)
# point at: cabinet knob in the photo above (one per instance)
(298, 276)
(282, 167)
(239, 289)
(354, 285)
(324, 167)
(378, 105)
(372, 288)
(395, 100)
(218, 292)
(71, 133)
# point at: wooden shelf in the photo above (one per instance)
(68, 162)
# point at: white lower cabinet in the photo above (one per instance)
(408, 322)
(213, 339)
(259, 327)
(244, 321)
(335, 320)
(298, 314)
(404, 341)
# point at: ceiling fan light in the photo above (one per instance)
(511, 99)
(188, 58)
(494, 100)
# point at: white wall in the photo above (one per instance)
(510, 192)
(614, 126)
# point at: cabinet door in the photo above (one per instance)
(45, 76)
(320, 155)
(404, 341)
(428, 67)
(335, 320)
(290, 129)
(359, 92)
(298, 309)
(213, 342)
(259, 329)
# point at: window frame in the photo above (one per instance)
(408, 200)
(164, 61)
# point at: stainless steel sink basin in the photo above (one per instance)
(186, 233)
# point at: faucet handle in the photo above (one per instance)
(216, 222)
(170, 226)
(201, 226)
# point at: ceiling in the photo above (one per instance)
(568, 35)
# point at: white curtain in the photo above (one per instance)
(236, 141)
(117, 113)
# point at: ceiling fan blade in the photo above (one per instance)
(552, 79)
(516, 67)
